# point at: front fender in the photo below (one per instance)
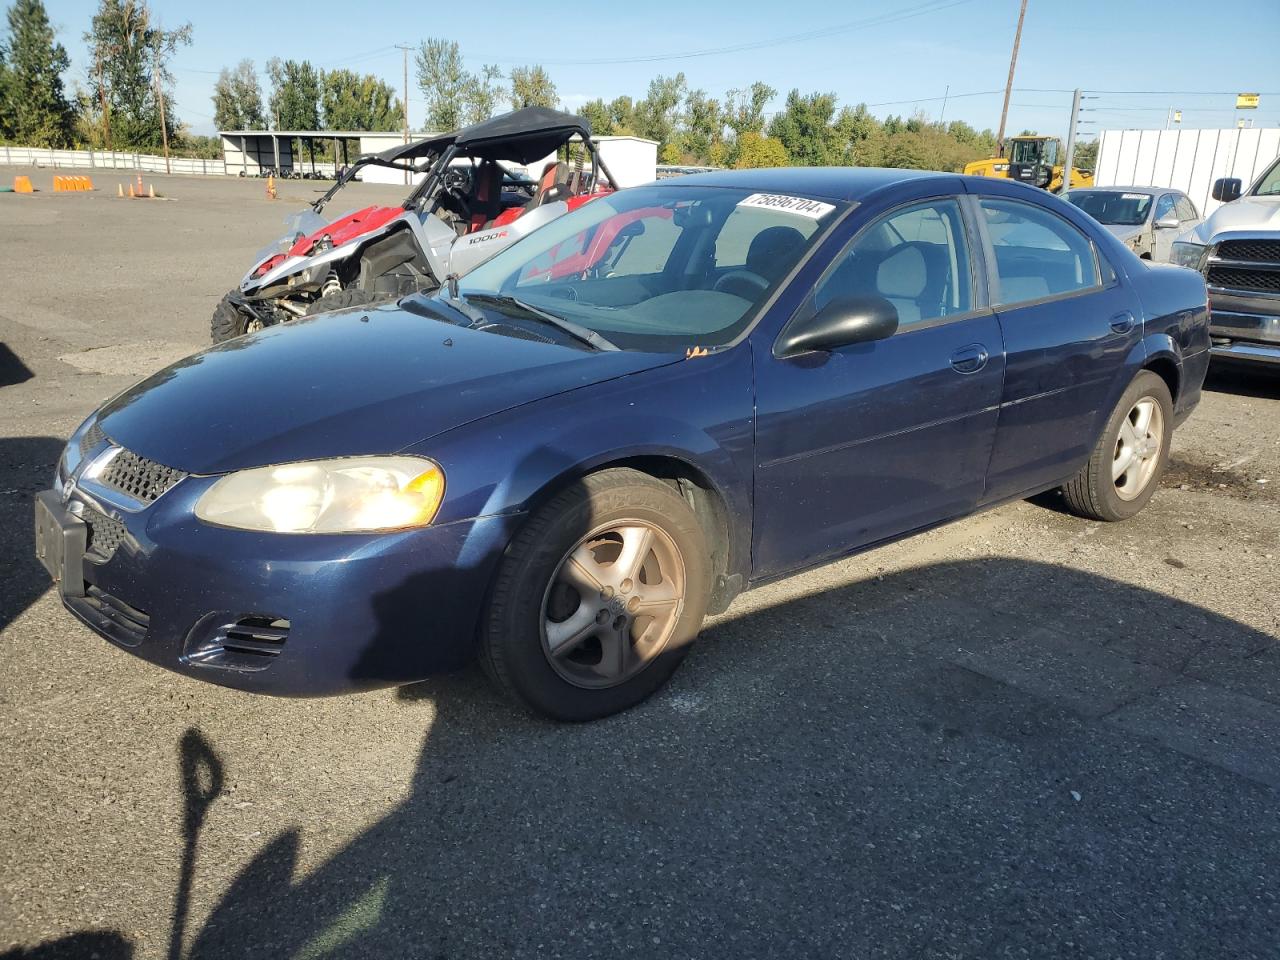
(697, 413)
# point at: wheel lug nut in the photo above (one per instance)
(626, 586)
(607, 593)
(619, 623)
(602, 617)
(633, 604)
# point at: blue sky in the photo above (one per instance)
(901, 64)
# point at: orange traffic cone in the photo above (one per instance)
(119, 189)
(139, 184)
(152, 191)
(131, 189)
(271, 188)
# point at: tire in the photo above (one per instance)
(597, 515)
(344, 300)
(1093, 493)
(228, 322)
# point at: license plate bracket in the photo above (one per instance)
(61, 541)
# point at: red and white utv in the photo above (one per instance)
(466, 208)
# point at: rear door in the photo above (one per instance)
(1068, 334)
(1162, 237)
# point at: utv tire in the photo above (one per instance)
(1126, 465)
(228, 321)
(351, 299)
(613, 575)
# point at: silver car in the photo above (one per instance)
(1148, 219)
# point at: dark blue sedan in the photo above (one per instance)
(565, 460)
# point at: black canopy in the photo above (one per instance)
(521, 136)
(416, 149)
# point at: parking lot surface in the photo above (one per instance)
(1022, 735)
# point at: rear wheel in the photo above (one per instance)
(230, 321)
(1125, 468)
(598, 598)
(351, 299)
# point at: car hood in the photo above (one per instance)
(1125, 232)
(1246, 214)
(343, 384)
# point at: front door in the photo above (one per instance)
(872, 440)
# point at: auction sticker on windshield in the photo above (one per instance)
(813, 209)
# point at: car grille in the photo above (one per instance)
(137, 477)
(1257, 251)
(105, 533)
(1236, 278)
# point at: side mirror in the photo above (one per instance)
(1227, 189)
(842, 322)
(1170, 222)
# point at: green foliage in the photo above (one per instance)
(532, 87)
(744, 109)
(349, 101)
(295, 94)
(33, 107)
(128, 55)
(598, 116)
(237, 99)
(1086, 155)
(657, 117)
(483, 94)
(757, 150)
(807, 131)
(444, 83)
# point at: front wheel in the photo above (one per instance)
(598, 598)
(230, 321)
(1125, 468)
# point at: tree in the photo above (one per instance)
(744, 108)
(757, 150)
(532, 87)
(349, 101)
(35, 110)
(444, 83)
(622, 116)
(127, 72)
(237, 99)
(657, 115)
(480, 100)
(806, 130)
(597, 113)
(703, 126)
(295, 94)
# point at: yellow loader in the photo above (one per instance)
(1032, 160)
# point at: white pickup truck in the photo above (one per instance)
(1238, 251)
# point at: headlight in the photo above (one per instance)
(348, 495)
(1187, 254)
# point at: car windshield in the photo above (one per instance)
(1113, 206)
(664, 267)
(1269, 185)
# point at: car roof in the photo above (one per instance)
(833, 183)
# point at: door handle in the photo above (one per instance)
(1122, 322)
(970, 359)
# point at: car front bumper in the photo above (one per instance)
(1245, 327)
(291, 615)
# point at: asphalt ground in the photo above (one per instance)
(1022, 735)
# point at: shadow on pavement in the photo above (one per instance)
(1244, 379)
(27, 465)
(830, 778)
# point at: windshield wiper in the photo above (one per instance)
(580, 333)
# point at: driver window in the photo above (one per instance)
(915, 258)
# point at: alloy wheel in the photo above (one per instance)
(1138, 448)
(613, 603)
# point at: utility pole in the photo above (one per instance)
(405, 48)
(156, 71)
(945, 94)
(1008, 87)
(1071, 143)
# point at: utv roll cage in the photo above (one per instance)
(523, 136)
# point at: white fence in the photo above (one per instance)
(106, 160)
(1186, 160)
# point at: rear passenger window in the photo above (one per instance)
(1186, 210)
(915, 258)
(1038, 254)
(1164, 206)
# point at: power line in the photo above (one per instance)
(933, 6)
